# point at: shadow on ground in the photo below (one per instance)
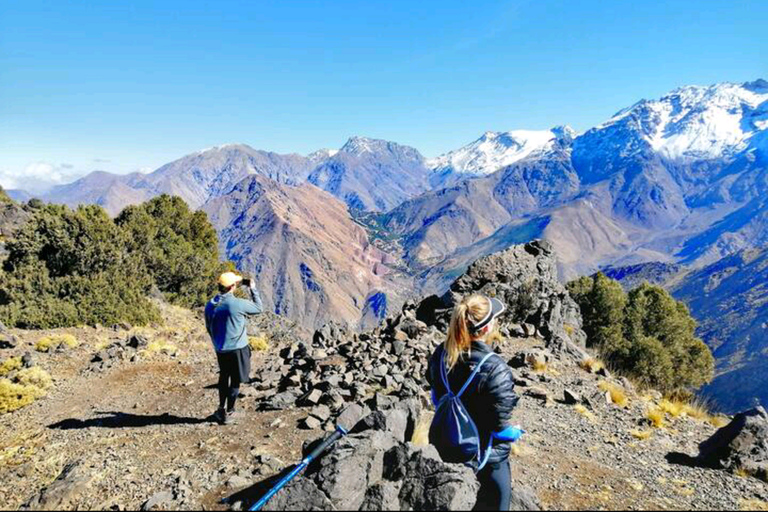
(683, 459)
(126, 420)
(250, 495)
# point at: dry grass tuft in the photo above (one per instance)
(617, 393)
(34, 376)
(420, 435)
(15, 396)
(258, 343)
(642, 435)
(591, 365)
(9, 365)
(584, 412)
(741, 473)
(539, 366)
(160, 346)
(30, 384)
(719, 420)
(55, 341)
(753, 505)
(656, 416)
(672, 407)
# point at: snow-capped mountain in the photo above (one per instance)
(698, 123)
(493, 151)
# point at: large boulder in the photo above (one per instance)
(374, 468)
(525, 278)
(740, 445)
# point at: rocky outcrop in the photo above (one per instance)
(376, 468)
(524, 277)
(341, 366)
(742, 445)
(65, 491)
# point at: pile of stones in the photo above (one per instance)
(341, 366)
(126, 349)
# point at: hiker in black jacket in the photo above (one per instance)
(489, 398)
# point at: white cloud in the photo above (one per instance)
(37, 177)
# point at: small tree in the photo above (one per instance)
(70, 267)
(647, 334)
(179, 248)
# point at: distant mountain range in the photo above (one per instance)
(677, 181)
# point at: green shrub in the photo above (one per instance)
(74, 267)
(645, 334)
(178, 247)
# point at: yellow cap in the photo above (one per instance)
(228, 279)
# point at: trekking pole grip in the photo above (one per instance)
(338, 434)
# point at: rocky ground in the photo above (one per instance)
(126, 426)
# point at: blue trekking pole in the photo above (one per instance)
(338, 434)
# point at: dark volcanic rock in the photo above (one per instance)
(740, 445)
(525, 278)
(374, 469)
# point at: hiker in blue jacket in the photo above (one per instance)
(489, 397)
(226, 319)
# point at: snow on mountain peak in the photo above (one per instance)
(494, 150)
(322, 154)
(699, 122)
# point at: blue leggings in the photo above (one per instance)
(495, 487)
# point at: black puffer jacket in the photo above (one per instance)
(489, 399)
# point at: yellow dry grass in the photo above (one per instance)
(753, 505)
(9, 365)
(673, 408)
(719, 420)
(15, 396)
(160, 346)
(582, 410)
(420, 435)
(28, 386)
(54, 341)
(34, 376)
(741, 473)
(591, 365)
(539, 366)
(642, 435)
(656, 416)
(258, 343)
(618, 395)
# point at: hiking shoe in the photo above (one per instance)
(232, 417)
(220, 416)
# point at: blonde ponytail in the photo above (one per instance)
(459, 339)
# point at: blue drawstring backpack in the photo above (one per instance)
(454, 433)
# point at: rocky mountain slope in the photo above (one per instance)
(371, 174)
(125, 423)
(312, 262)
(731, 299)
(196, 178)
(679, 178)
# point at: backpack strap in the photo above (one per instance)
(444, 374)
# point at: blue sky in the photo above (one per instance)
(128, 86)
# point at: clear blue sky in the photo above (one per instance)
(96, 85)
